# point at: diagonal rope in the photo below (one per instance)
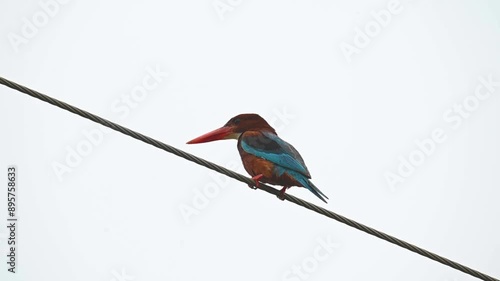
(250, 182)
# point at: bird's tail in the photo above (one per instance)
(309, 185)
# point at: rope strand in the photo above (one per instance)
(247, 180)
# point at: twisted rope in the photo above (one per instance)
(249, 181)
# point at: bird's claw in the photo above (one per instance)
(256, 180)
(281, 195)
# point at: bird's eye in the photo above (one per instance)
(236, 121)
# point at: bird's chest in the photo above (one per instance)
(255, 165)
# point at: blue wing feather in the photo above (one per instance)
(272, 148)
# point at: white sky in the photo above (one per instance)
(116, 209)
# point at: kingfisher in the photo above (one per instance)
(265, 156)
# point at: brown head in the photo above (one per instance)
(235, 127)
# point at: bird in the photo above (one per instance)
(265, 156)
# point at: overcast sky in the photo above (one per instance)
(394, 106)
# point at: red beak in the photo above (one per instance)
(219, 134)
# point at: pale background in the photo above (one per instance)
(117, 214)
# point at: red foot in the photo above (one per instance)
(256, 180)
(281, 196)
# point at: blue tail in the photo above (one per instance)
(309, 185)
(316, 191)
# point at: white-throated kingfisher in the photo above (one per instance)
(266, 157)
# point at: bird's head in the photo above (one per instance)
(235, 127)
